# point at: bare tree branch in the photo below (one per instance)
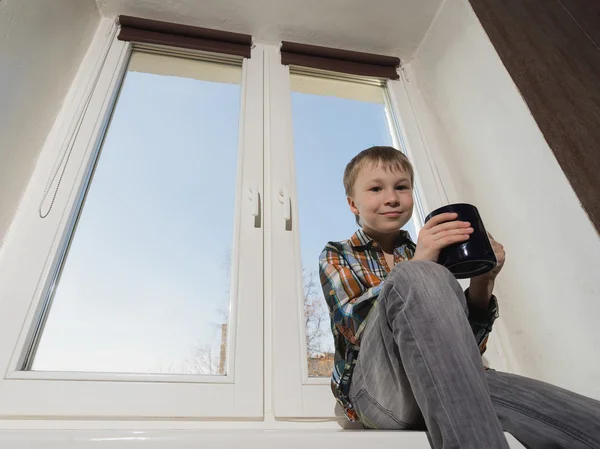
(316, 318)
(202, 362)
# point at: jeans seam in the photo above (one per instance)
(581, 437)
(381, 408)
(429, 370)
(366, 421)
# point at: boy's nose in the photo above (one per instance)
(392, 199)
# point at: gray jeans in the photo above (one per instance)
(419, 367)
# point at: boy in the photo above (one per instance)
(420, 337)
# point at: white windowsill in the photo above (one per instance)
(187, 439)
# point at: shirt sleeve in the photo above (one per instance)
(482, 320)
(349, 301)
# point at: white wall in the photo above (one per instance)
(41, 46)
(490, 152)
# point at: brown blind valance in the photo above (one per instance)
(343, 61)
(148, 31)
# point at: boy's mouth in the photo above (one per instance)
(392, 214)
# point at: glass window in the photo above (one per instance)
(333, 120)
(144, 285)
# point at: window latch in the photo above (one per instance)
(285, 199)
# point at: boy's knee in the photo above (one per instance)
(429, 281)
(416, 272)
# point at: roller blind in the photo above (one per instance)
(136, 29)
(342, 61)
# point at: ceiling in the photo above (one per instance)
(392, 27)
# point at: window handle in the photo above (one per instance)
(255, 198)
(287, 213)
(285, 199)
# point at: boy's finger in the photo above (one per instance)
(441, 218)
(452, 239)
(451, 233)
(450, 225)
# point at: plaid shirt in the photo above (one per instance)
(352, 272)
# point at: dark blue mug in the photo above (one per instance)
(473, 257)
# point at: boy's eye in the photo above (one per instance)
(403, 187)
(375, 189)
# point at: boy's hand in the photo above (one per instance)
(441, 231)
(482, 287)
(500, 256)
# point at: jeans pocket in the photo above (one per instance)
(373, 415)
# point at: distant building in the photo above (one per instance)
(223, 351)
(320, 365)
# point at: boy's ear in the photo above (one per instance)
(352, 205)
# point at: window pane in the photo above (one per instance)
(144, 287)
(333, 121)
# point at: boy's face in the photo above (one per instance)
(382, 198)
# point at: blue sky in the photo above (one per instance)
(328, 132)
(146, 278)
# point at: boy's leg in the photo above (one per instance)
(418, 353)
(541, 415)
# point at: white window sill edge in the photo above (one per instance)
(222, 439)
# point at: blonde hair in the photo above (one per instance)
(388, 157)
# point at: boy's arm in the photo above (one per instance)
(348, 301)
(482, 320)
(483, 305)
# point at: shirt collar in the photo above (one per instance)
(360, 238)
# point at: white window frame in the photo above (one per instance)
(295, 394)
(32, 249)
